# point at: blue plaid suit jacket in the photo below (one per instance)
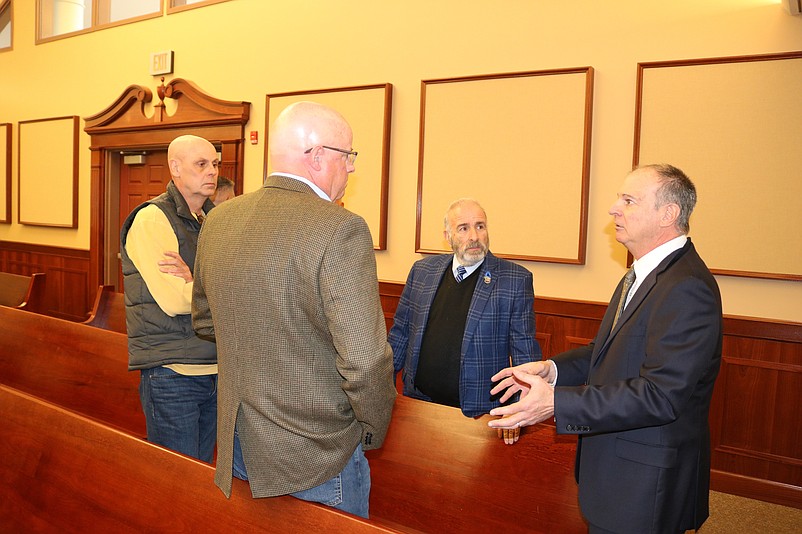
(499, 331)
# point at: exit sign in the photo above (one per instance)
(161, 62)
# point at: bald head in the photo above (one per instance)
(301, 126)
(184, 144)
(313, 141)
(193, 166)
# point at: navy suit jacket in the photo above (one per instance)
(500, 328)
(639, 398)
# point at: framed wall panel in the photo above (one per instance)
(734, 126)
(48, 172)
(368, 109)
(519, 143)
(5, 173)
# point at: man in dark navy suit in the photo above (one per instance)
(639, 395)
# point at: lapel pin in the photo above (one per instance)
(487, 277)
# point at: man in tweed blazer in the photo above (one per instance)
(286, 282)
(449, 338)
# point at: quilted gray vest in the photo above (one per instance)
(155, 338)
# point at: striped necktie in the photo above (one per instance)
(460, 273)
(629, 279)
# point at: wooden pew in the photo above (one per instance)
(64, 473)
(23, 292)
(439, 471)
(72, 365)
(108, 310)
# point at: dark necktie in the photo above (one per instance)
(629, 279)
(201, 217)
(460, 273)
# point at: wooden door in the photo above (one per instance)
(138, 183)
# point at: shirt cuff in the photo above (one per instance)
(553, 366)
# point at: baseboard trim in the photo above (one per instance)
(756, 488)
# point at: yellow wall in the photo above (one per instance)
(245, 49)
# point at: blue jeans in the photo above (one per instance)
(348, 491)
(180, 411)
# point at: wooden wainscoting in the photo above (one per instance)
(757, 441)
(756, 436)
(67, 294)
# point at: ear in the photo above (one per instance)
(314, 158)
(670, 215)
(173, 165)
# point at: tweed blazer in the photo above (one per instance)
(499, 330)
(286, 283)
(639, 398)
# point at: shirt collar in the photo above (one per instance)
(468, 268)
(652, 259)
(318, 191)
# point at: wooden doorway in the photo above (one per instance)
(125, 126)
(143, 175)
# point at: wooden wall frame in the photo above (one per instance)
(733, 125)
(477, 131)
(124, 125)
(178, 7)
(368, 109)
(7, 8)
(47, 172)
(5, 172)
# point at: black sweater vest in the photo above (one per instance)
(439, 361)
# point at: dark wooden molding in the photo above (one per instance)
(756, 488)
(122, 113)
(66, 270)
(31, 248)
(5, 171)
(39, 152)
(370, 142)
(127, 113)
(708, 100)
(582, 202)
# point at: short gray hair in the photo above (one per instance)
(675, 188)
(457, 203)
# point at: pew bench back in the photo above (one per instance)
(439, 471)
(23, 292)
(108, 310)
(64, 473)
(72, 365)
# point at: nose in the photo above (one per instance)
(615, 209)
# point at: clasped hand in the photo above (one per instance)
(537, 396)
(173, 264)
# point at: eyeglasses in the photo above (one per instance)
(350, 154)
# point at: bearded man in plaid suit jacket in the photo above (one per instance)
(450, 337)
